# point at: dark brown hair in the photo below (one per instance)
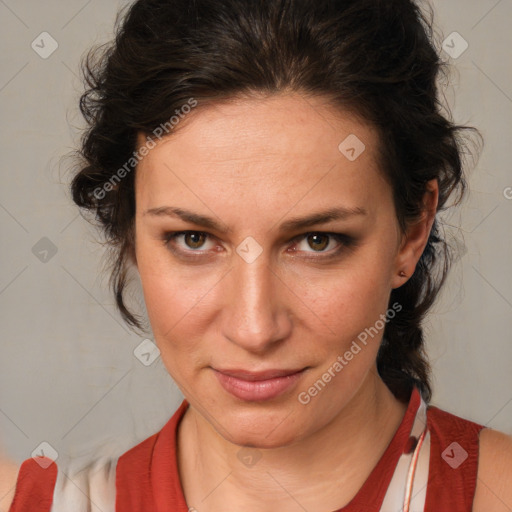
(376, 58)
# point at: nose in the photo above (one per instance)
(256, 316)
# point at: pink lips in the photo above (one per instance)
(257, 386)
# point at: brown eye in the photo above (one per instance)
(186, 241)
(324, 244)
(194, 240)
(318, 241)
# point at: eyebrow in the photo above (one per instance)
(296, 223)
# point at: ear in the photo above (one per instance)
(415, 239)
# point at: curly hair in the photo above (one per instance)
(376, 58)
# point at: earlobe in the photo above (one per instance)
(416, 238)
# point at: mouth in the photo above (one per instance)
(258, 386)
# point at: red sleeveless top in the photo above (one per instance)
(147, 477)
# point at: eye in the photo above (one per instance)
(192, 240)
(322, 242)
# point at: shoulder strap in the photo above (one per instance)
(454, 461)
(35, 485)
(90, 489)
(396, 493)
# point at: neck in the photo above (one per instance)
(325, 464)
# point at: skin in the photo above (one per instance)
(252, 164)
(8, 475)
(494, 478)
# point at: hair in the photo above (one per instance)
(376, 58)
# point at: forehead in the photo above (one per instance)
(275, 145)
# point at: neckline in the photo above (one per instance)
(167, 488)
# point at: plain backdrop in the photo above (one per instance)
(68, 373)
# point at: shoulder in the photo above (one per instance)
(8, 476)
(494, 483)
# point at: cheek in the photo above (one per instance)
(169, 307)
(350, 305)
(178, 304)
(167, 294)
(350, 298)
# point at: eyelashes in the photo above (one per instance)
(200, 237)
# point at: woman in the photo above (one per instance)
(273, 171)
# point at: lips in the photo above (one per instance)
(258, 376)
(258, 386)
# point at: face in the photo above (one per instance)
(254, 289)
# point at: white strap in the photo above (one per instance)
(395, 495)
(419, 489)
(90, 489)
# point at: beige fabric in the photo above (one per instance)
(90, 489)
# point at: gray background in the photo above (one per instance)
(68, 374)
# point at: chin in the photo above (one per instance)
(262, 440)
(259, 430)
